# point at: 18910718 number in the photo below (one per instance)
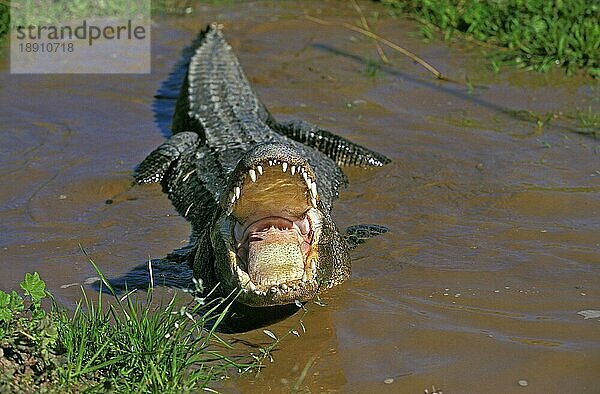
(46, 47)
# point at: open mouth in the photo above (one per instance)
(275, 227)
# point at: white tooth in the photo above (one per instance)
(240, 273)
(229, 210)
(313, 202)
(270, 163)
(309, 183)
(303, 225)
(300, 170)
(232, 197)
(313, 189)
(259, 169)
(284, 165)
(305, 176)
(252, 175)
(313, 264)
(283, 286)
(304, 277)
(293, 170)
(252, 286)
(238, 191)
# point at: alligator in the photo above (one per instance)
(257, 192)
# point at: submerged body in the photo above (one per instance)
(257, 192)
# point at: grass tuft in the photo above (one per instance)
(534, 34)
(131, 345)
(54, 12)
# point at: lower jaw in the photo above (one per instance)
(295, 292)
(300, 287)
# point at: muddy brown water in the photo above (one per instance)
(495, 232)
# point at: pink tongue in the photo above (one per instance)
(274, 257)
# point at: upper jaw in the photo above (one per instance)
(275, 175)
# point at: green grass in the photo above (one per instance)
(588, 119)
(581, 121)
(133, 345)
(535, 34)
(51, 11)
(4, 19)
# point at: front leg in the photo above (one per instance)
(360, 233)
(158, 162)
(339, 149)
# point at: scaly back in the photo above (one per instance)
(217, 100)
